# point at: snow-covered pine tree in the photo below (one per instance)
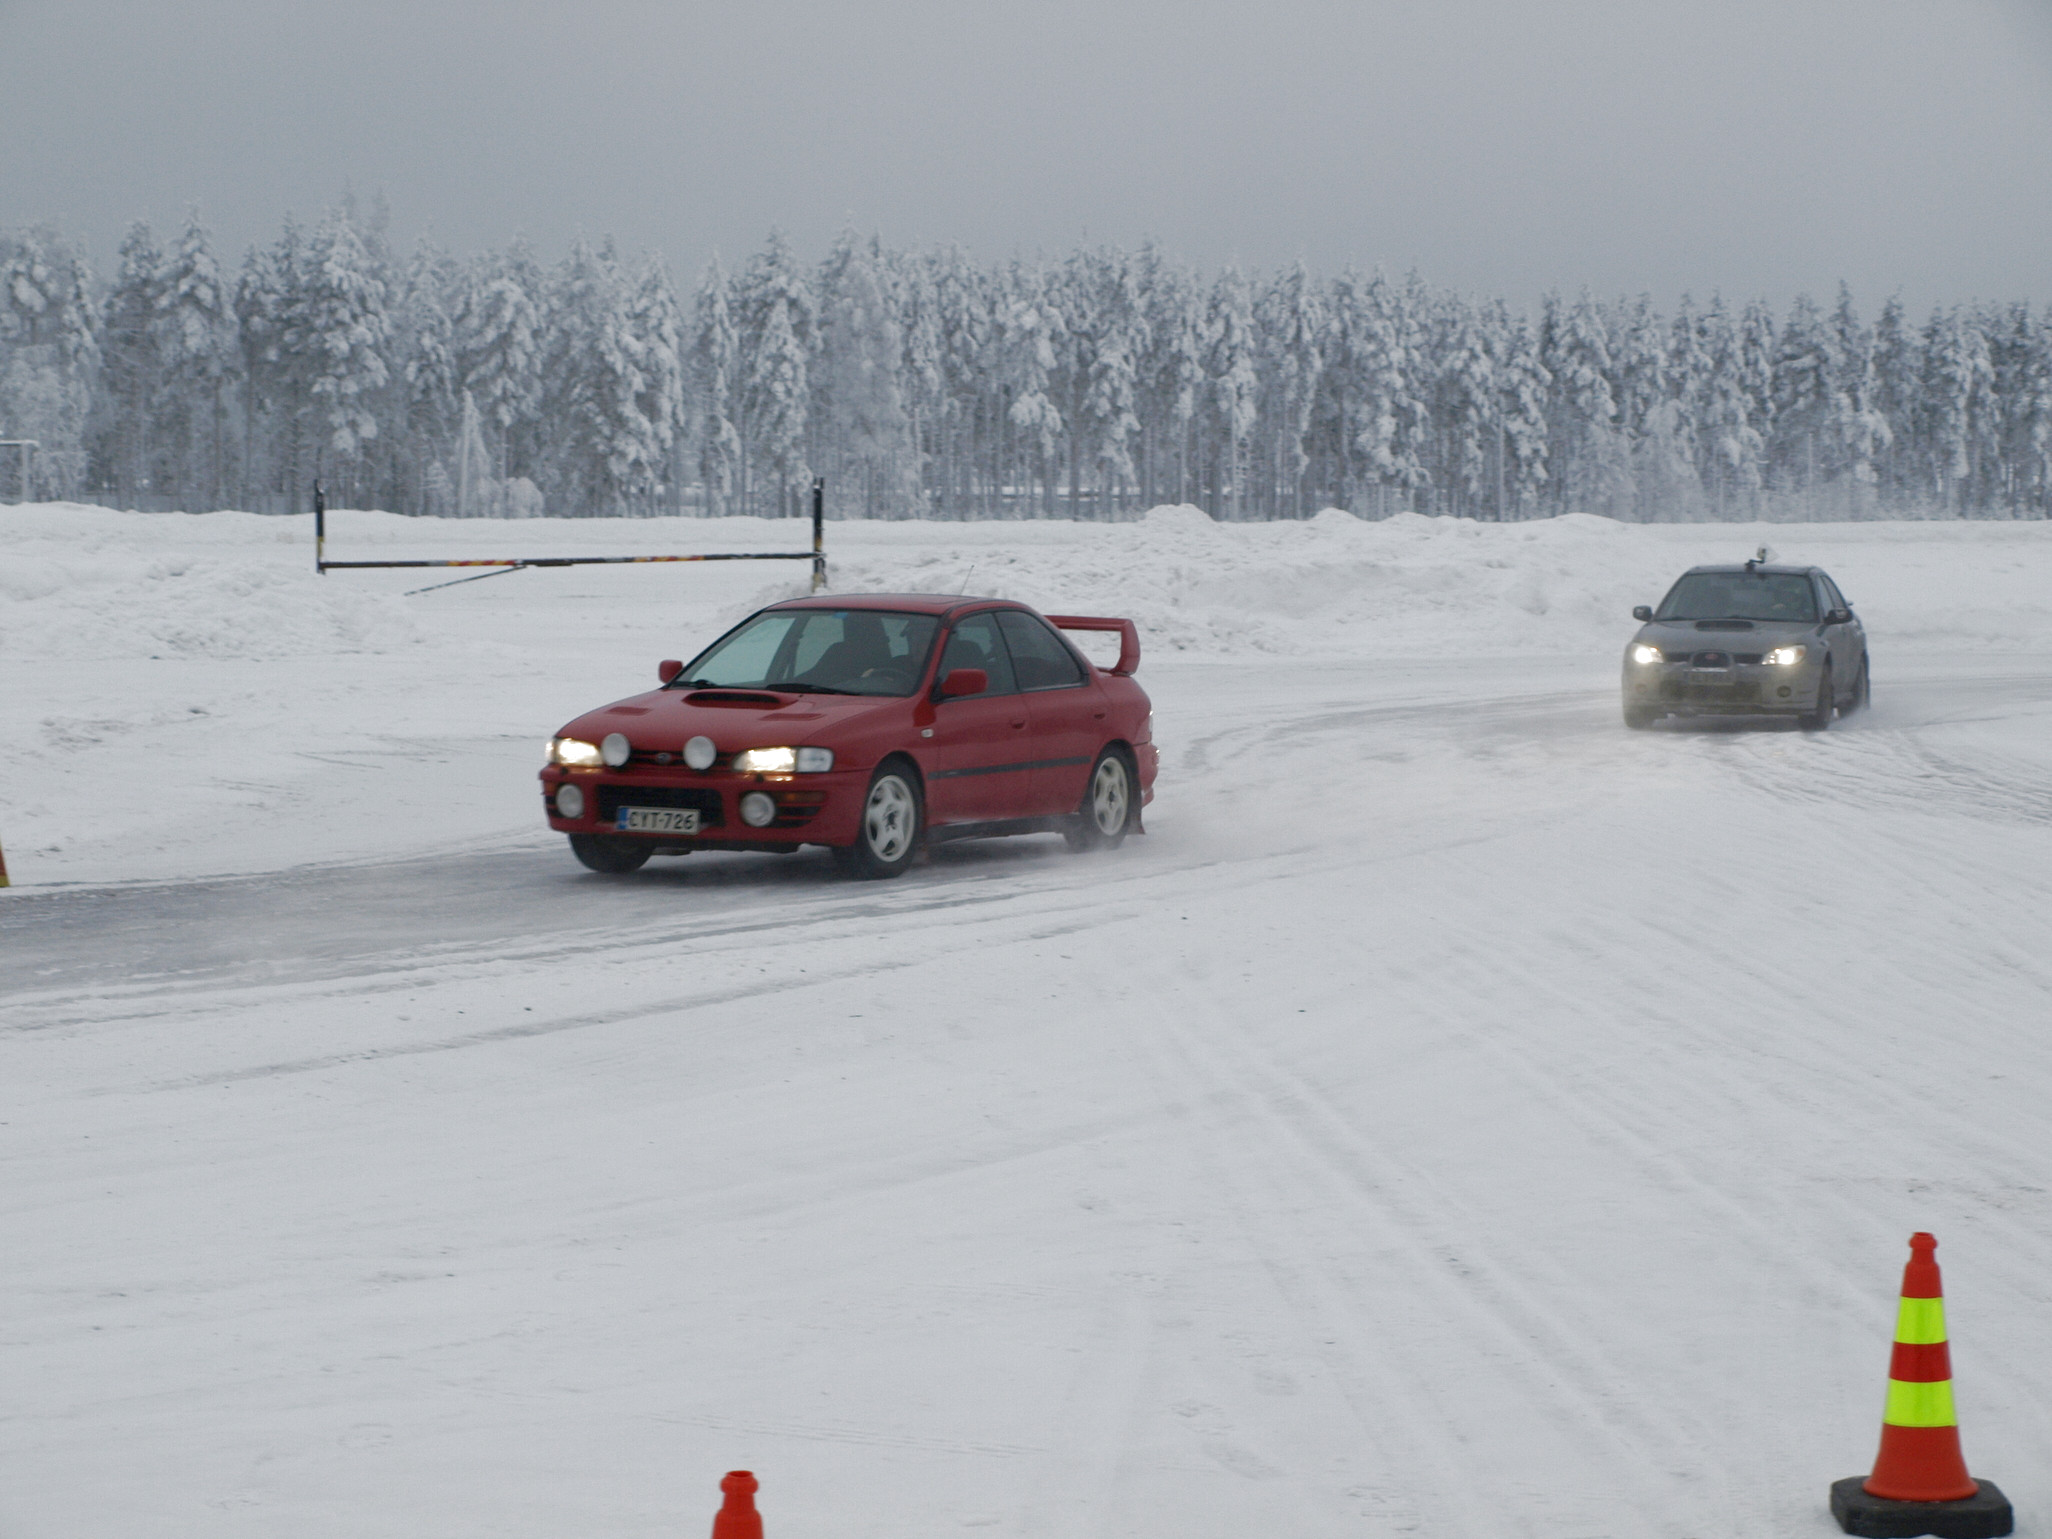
(1364, 377)
(2035, 417)
(1688, 374)
(1587, 450)
(49, 354)
(715, 359)
(1170, 375)
(777, 406)
(424, 353)
(1956, 376)
(476, 488)
(258, 327)
(655, 326)
(861, 435)
(1898, 382)
(1024, 348)
(775, 315)
(132, 367)
(199, 359)
(1759, 340)
(920, 373)
(1660, 469)
(1408, 312)
(1522, 385)
(596, 447)
(496, 329)
(1107, 424)
(1807, 410)
(1730, 448)
(1292, 320)
(971, 382)
(1465, 410)
(1861, 431)
(1233, 390)
(345, 330)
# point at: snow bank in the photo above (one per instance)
(1409, 586)
(85, 582)
(81, 582)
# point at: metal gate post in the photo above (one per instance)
(818, 533)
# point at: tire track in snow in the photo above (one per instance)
(1303, 1143)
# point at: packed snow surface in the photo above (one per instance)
(1457, 1115)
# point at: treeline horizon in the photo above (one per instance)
(925, 384)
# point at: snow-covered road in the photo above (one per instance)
(1458, 1116)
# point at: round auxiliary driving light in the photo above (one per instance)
(699, 753)
(616, 750)
(569, 802)
(758, 809)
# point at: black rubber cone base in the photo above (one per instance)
(1984, 1515)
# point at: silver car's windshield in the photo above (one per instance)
(823, 651)
(1740, 596)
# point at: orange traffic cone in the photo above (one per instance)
(1920, 1483)
(737, 1517)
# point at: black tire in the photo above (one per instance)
(610, 853)
(1863, 690)
(1640, 717)
(887, 836)
(1110, 798)
(1818, 717)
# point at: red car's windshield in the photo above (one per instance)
(818, 651)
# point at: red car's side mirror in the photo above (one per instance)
(965, 681)
(668, 669)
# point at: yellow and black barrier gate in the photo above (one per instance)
(817, 555)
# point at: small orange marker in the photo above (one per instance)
(737, 1517)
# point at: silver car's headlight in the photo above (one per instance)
(1786, 657)
(574, 751)
(784, 761)
(1642, 654)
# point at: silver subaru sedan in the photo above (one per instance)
(1749, 640)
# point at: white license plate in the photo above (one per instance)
(657, 820)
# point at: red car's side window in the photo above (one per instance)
(975, 643)
(1040, 659)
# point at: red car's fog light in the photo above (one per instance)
(758, 809)
(569, 801)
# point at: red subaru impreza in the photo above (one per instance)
(866, 724)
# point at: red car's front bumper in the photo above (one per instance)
(811, 809)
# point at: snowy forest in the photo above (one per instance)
(926, 384)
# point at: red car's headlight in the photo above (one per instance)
(783, 761)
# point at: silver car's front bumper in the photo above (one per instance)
(1743, 689)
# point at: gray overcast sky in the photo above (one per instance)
(1756, 146)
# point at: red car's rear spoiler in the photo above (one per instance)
(1129, 636)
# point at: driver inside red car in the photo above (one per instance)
(862, 649)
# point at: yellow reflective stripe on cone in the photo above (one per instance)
(1920, 1322)
(1919, 1405)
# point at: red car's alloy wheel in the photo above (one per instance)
(1107, 810)
(888, 837)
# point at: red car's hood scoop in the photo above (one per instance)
(727, 716)
(743, 697)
